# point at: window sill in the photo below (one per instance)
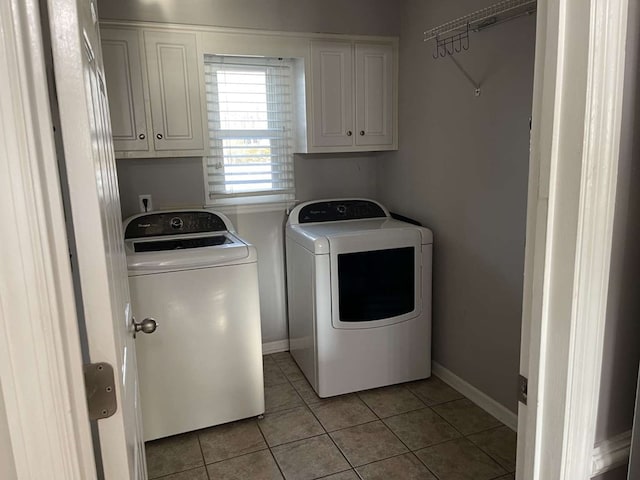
(235, 208)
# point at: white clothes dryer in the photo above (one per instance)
(203, 365)
(359, 295)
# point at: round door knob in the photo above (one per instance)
(148, 325)
(349, 133)
(142, 136)
(362, 133)
(159, 136)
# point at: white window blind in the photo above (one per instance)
(249, 104)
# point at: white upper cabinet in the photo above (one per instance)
(345, 87)
(156, 94)
(174, 91)
(353, 97)
(123, 71)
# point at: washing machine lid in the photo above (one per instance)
(313, 224)
(182, 239)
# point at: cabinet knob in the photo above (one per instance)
(142, 136)
(159, 136)
(349, 133)
(362, 133)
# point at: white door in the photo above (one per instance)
(174, 91)
(123, 70)
(374, 95)
(332, 91)
(97, 229)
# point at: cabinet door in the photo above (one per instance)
(332, 93)
(123, 72)
(374, 95)
(174, 91)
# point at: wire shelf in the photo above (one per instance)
(454, 35)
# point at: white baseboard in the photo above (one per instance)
(611, 453)
(275, 347)
(485, 402)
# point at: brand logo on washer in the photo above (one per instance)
(176, 223)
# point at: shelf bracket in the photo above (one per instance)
(476, 85)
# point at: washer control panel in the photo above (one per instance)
(173, 223)
(336, 210)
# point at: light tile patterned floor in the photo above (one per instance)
(421, 430)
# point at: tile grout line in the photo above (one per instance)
(491, 456)
(381, 420)
(306, 405)
(176, 473)
(332, 440)
(237, 456)
(275, 460)
(462, 435)
(204, 461)
(412, 452)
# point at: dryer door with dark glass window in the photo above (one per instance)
(375, 278)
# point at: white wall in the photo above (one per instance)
(462, 170)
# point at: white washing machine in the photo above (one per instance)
(203, 365)
(359, 295)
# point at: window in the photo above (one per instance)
(249, 104)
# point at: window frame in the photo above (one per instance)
(284, 173)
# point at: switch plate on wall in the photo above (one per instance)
(141, 203)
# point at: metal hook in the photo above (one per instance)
(448, 44)
(458, 45)
(465, 46)
(443, 49)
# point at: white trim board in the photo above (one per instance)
(485, 402)
(275, 347)
(611, 453)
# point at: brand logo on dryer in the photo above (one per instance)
(176, 223)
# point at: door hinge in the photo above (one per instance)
(523, 386)
(100, 385)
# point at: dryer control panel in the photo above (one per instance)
(336, 210)
(173, 223)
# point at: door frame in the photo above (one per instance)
(575, 139)
(569, 224)
(40, 358)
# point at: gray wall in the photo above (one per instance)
(7, 466)
(179, 182)
(344, 175)
(619, 473)
(462, 170)
(366, 17)
(172, 182)
(622, 335)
